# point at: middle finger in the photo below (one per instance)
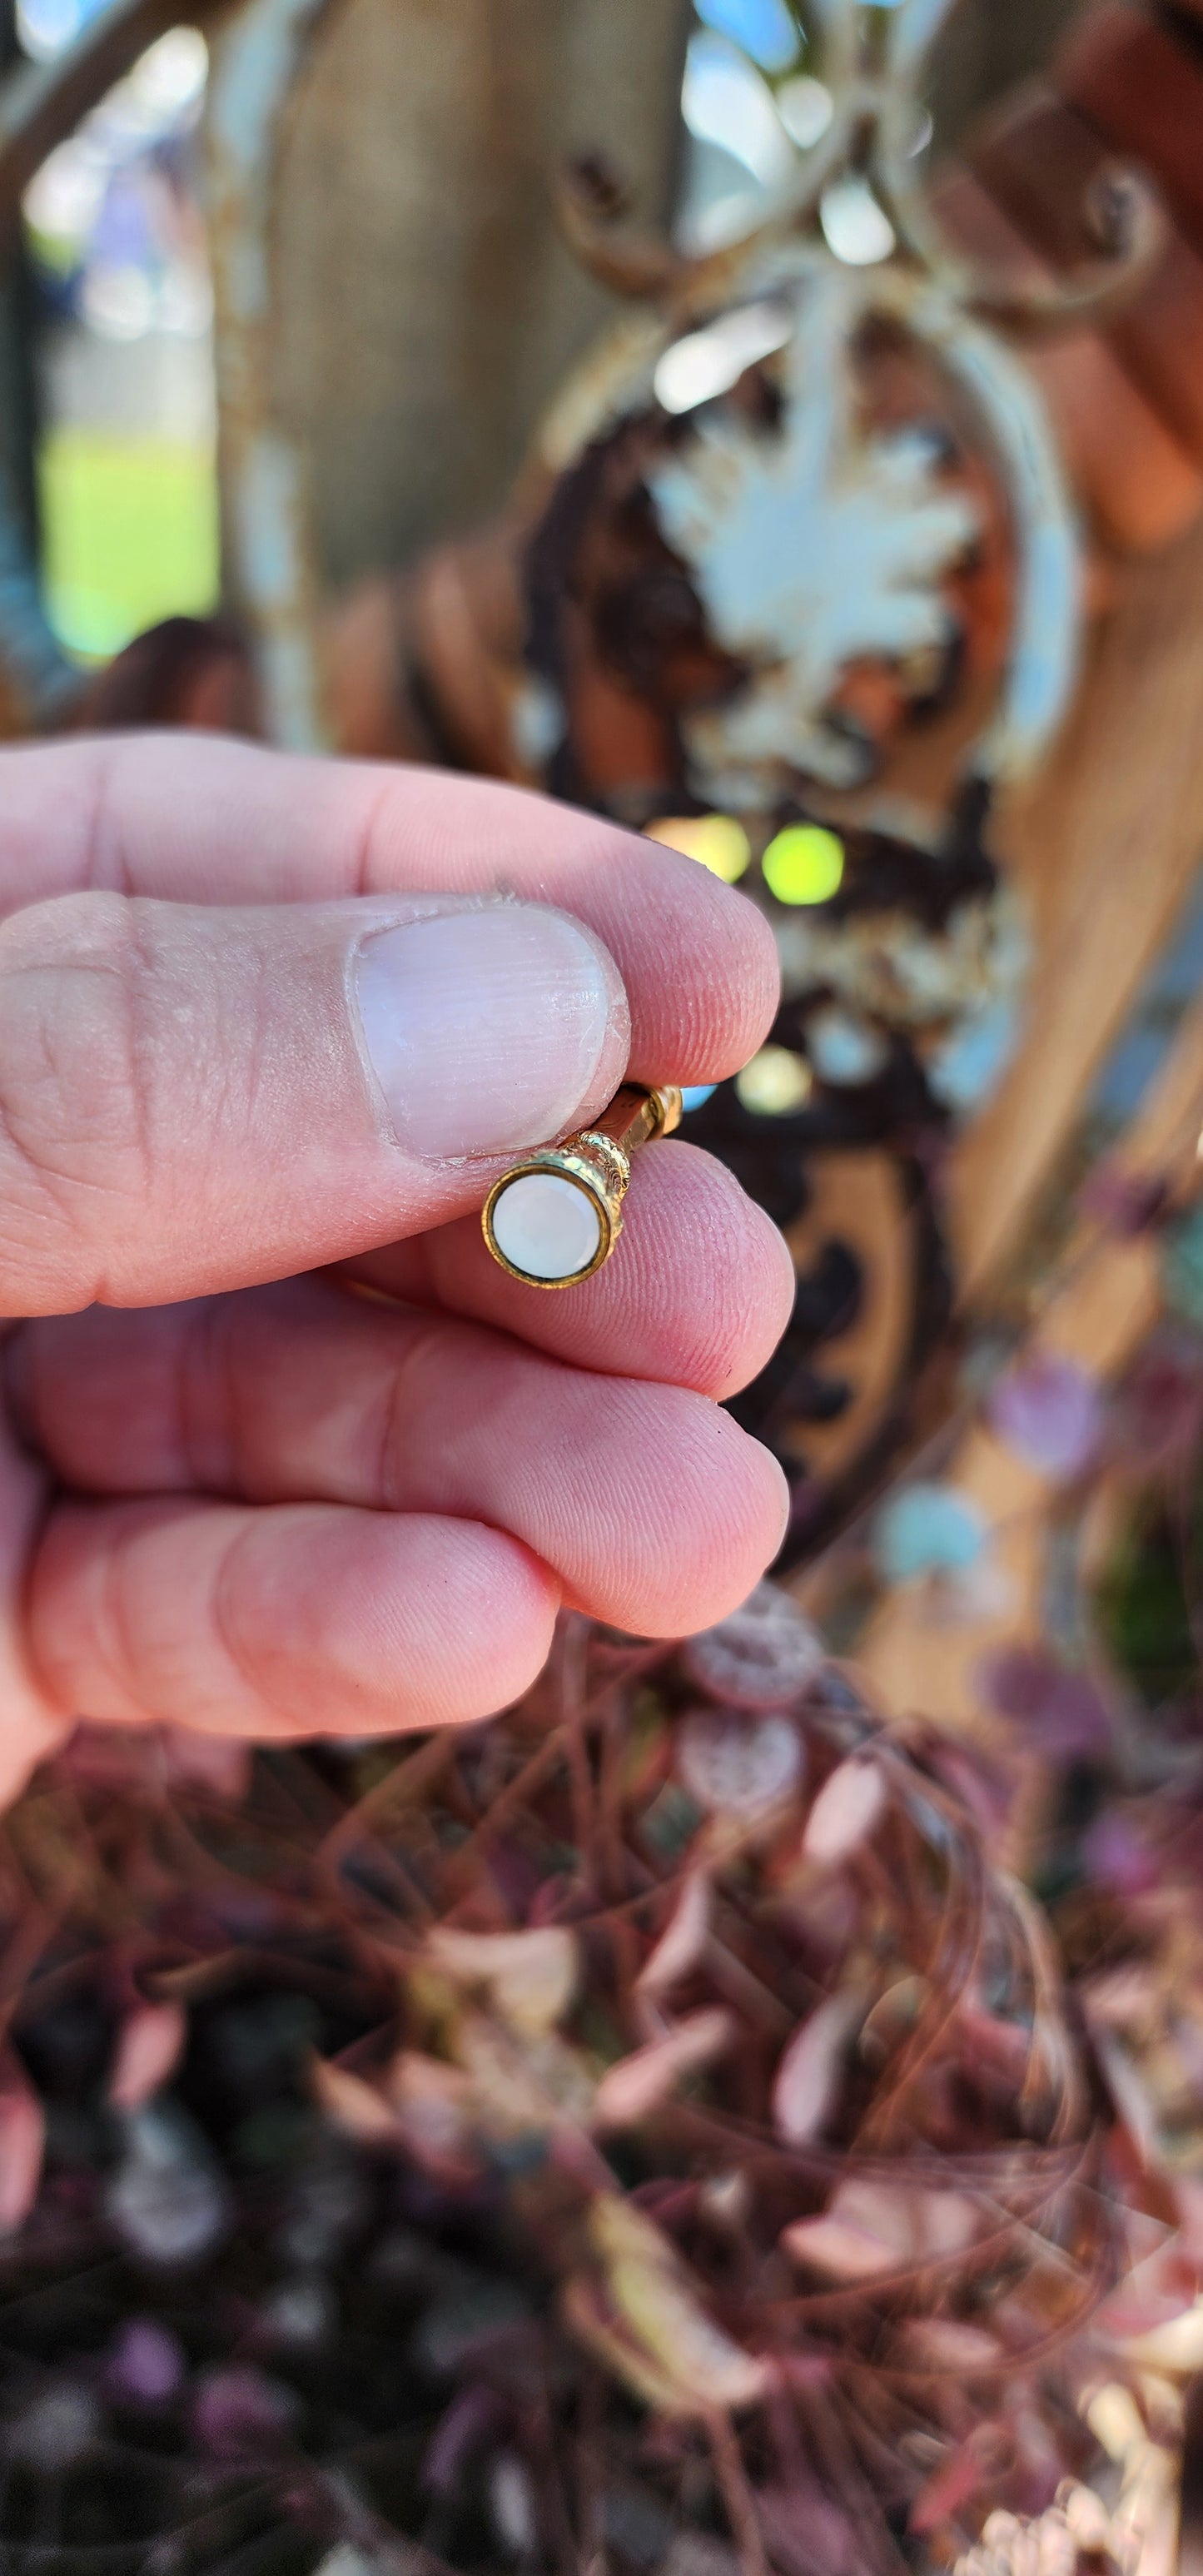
(653, 1509)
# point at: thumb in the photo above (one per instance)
(192, 1098)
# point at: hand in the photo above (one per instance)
(259, 1017)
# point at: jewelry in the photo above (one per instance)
(554, 1218)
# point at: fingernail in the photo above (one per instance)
(486, 1028)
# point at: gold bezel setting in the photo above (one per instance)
(597, 1162)
(564, 1165)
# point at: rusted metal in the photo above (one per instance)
(874, 77)
(616, 380)
(272, 575)
(1043, 660)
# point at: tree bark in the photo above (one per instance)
(424, 307)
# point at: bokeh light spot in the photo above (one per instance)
(857, 229)
(804, 864)
(775, 1082)
(716, 841)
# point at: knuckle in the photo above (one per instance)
(73, 1131)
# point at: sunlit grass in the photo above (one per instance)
(129, 535)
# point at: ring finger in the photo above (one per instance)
(649, 1506)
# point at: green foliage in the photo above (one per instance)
(130, 535)
(1144, 1611)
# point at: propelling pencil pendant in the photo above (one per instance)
(555, 1217)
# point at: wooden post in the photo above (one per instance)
(424, 307)
(985, 49)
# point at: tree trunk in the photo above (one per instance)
(424, 307)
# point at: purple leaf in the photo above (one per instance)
(145, 2362)
(240, 2412)
(470, 2418)
(847, 1811)
(149, 2045)
(1115, 1856)
(22, 2144)
(739, 1765)
(1048, 1411)
(810, 2076)
(765, 1655)
(1060, 1713)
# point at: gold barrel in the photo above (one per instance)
(555, 1217)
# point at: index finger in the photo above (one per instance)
(197, 819)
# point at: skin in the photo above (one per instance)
(236, 1492)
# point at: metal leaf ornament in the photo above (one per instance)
(870, 535)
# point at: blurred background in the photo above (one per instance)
(415, 232)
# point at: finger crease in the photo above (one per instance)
(394, 1416)
(242, 1657)
(206, 1406)
(106, 868)
(363, 868)
(114, 1629)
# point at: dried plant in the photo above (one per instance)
(647, 2132)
